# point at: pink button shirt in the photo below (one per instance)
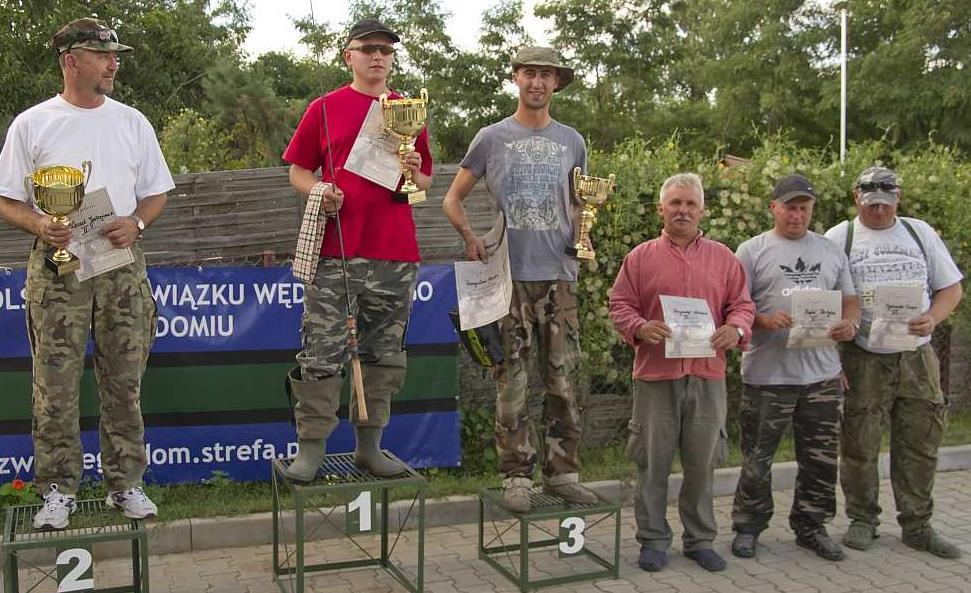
(705, 269)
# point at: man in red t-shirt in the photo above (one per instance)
(382, 255)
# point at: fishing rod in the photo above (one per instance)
(357, 376)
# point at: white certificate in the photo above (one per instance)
(374, 155)
(95, 252)
(893, 308)
(814, 313)
(691, 325)
(485, 289)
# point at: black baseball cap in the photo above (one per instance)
(791, 187)
(371, 27)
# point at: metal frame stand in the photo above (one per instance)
(339, 481)
(93, 522)
(510, 540)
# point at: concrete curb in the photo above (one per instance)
(190, 535)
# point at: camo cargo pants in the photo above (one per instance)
(765, 413)
(118, 308)
(901, 391)
(543, 315)
(381, 293)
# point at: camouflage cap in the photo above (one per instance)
(543, 56)
(87, 33)
(877, 185)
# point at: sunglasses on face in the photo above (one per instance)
(386, 50)
(103, 35)
(877, 186)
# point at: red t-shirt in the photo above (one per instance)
(373, 225)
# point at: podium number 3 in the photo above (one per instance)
(362, 504)
(72, 581)
(572, 534)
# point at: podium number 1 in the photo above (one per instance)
(70, 580)
(361, 504)
(571, 535)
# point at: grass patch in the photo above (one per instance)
(220, 496)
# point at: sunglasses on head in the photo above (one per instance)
(386, 50)
(103, 35)
(877, 186)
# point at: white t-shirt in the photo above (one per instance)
(117, 139)
(891, 256)
(776, 267)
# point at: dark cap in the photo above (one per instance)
(371, 27)
(877, 185)
(543, 56)
(791, 187)
(86, 33)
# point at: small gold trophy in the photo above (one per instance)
(59, 191)
(404, 119)
(593, 192)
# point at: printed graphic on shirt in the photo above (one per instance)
(801, 273)
(887, 264)
(535, 175)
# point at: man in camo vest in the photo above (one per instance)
(787, 382)
(83, 124)
(527, 161)
(893, 387)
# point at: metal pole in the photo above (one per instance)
(842, 86)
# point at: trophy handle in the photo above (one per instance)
(86, 168)
(383, 99)
(29, 185)
(424, 95)
(576, 183)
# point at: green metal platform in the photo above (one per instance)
(551, 543)
(343, 488)
(92, 523)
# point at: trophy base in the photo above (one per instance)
(580, 253)
(415, 197)
(62, 268)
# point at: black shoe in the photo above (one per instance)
(743, 545)
(820, 542)
(652, 560)
(707, 559)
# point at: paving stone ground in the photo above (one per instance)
(452, 564)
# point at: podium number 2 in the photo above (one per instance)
(571, 532)
(72, 581)
(362, 504)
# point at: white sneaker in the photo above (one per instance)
(133, 502)
(56, 510)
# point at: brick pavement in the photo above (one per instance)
(452, 564)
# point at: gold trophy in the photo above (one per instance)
(59, 191)
(593, 192)
(404, 119)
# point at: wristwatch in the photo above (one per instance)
(741, 333)
(139, 223)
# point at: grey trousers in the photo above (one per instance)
(685, 415)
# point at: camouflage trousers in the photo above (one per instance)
(381, 293)
(901, 391)
(765, 413)
(543, 315)
(118, 309)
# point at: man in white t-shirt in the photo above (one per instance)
(899, 389)
(116, 307)
(787, 384)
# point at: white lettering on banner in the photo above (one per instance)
(288, 294)
(198, 295)
(15, 465)
(206, 326)
(423, 291)
(7, 299)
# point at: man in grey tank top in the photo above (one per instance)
(527, 162)
(785, 384)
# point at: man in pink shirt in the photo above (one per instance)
(680, 404)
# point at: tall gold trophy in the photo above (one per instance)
(592, 192)
(404, 119)
(59, 192)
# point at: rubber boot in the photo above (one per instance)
(310, 453)
(368, 454)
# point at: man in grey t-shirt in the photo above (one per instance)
(527, 161)
(786, 384)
